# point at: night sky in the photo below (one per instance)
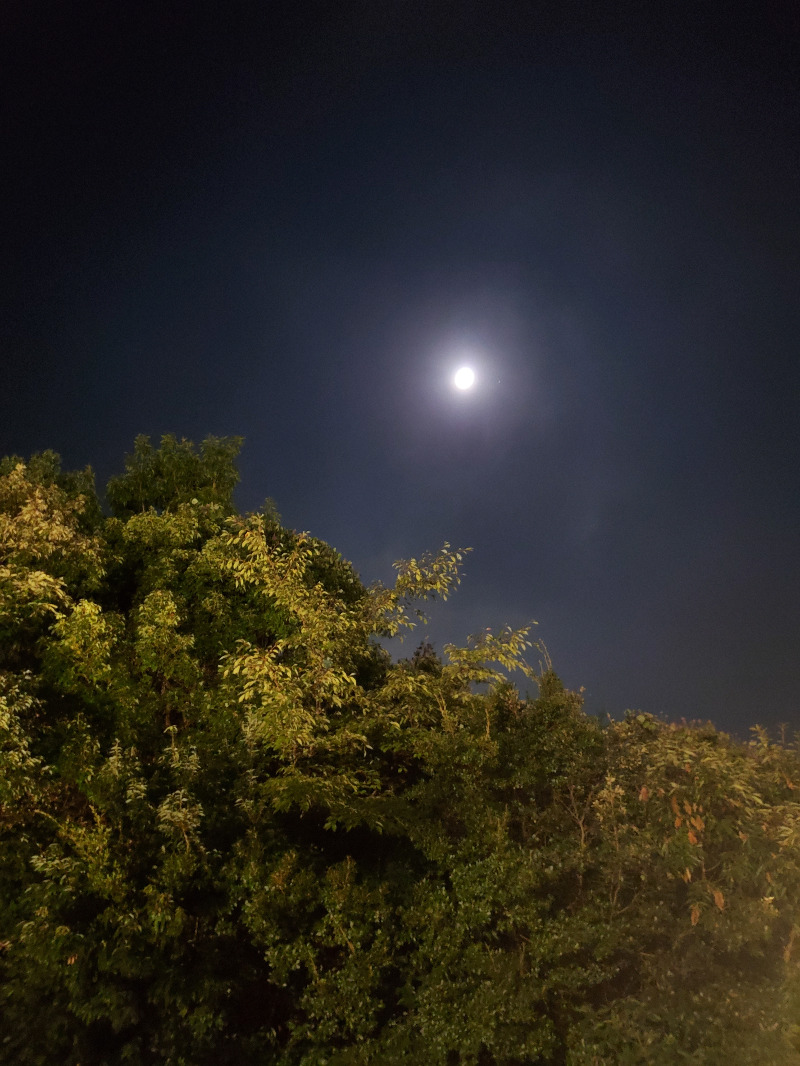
(294, 222)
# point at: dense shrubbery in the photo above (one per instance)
(232, 831)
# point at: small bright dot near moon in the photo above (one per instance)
(465, 378)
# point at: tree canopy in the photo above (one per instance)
(233, 830)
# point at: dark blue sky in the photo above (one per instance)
(291, 222)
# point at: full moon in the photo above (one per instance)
(465, 378)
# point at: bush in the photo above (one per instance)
(234, 831)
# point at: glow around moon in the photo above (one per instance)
(464, 378)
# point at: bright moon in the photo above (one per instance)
(465, 378)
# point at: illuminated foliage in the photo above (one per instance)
(234, 831)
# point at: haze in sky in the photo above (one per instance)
(254, 221)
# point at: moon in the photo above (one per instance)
(464, 378)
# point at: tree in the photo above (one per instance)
(176, 473)
(233, 830)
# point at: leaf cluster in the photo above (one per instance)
(233, 830)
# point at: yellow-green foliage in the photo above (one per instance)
(233, 831)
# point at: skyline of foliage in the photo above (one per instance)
(234, 830)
